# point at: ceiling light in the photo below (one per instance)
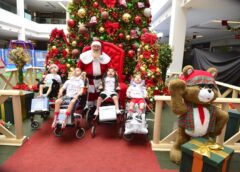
(61, 4)
(229, 21)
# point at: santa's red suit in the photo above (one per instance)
(95, 68)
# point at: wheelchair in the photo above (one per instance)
(108, 115)
(76, 119)
(41, 105)
(135, 126)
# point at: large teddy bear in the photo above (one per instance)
(191, 98)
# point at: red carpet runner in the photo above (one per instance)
(44, 152)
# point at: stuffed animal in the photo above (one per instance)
(192, 97)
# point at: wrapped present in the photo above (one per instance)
(201, 155)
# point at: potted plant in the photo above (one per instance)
(19, 57)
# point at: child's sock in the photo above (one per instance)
(68, 113)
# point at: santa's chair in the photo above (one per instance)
(117, 61)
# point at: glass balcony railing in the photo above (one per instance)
(38, 19)
(8, 7)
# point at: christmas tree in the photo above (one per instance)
(149, 65)
(58, 52)
(115, 21)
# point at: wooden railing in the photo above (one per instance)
(166, 143)
(7, 137)
(230, 89)
(29, 77)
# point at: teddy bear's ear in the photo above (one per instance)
(187, 70)
(213, 71)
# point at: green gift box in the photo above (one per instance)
(200, 155)
(6, 109)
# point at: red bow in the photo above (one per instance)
(149, 38)
(111, 27)
(110, 3)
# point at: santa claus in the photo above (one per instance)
(95, 63)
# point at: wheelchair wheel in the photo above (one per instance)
(35, 124)
(88, 117)
(93, 131)
(58, 131)
(120, 132)
(45, 115)
(128, 137)
(80, 133)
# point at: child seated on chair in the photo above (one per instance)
(109, 86)
(74, 88)
(48, 80)
(137, 93)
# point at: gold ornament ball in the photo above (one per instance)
(126, 17)
(128, 37)
(143, 68)
(146, 47)
(101, 29)
(141, 56)
(67, 50)
(71, 69)
(74, 43)
(68, 65)
(158, 70)
(81, 12)
(54, 47)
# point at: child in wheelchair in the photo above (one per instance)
(110, 86)
(137, 93)
(49, 85)
(108, 112)
(74, 89)
(49, 80)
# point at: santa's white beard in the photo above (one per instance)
(96, 54)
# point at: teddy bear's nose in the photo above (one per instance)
(209, 90)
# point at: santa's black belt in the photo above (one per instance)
(94, 77)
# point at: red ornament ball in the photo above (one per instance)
(120, 35)
(83, 29)
(95, 4)
(75, 52)
(138, 20)
(144, 30)
(131, 53)
(134, 46)
(71, 22)
(104, 15)
(120, 45)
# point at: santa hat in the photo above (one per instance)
(97, 43)
(53, 66)
(197, 77)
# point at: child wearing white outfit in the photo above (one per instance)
(74, 88)
(109, 85)
(48, 80)
(137, 92)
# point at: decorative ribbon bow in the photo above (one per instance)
(110, 3)
(207, 148)
(111, 27)
(149, 38)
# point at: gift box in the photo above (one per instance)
(6, 109)
(201, 155)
